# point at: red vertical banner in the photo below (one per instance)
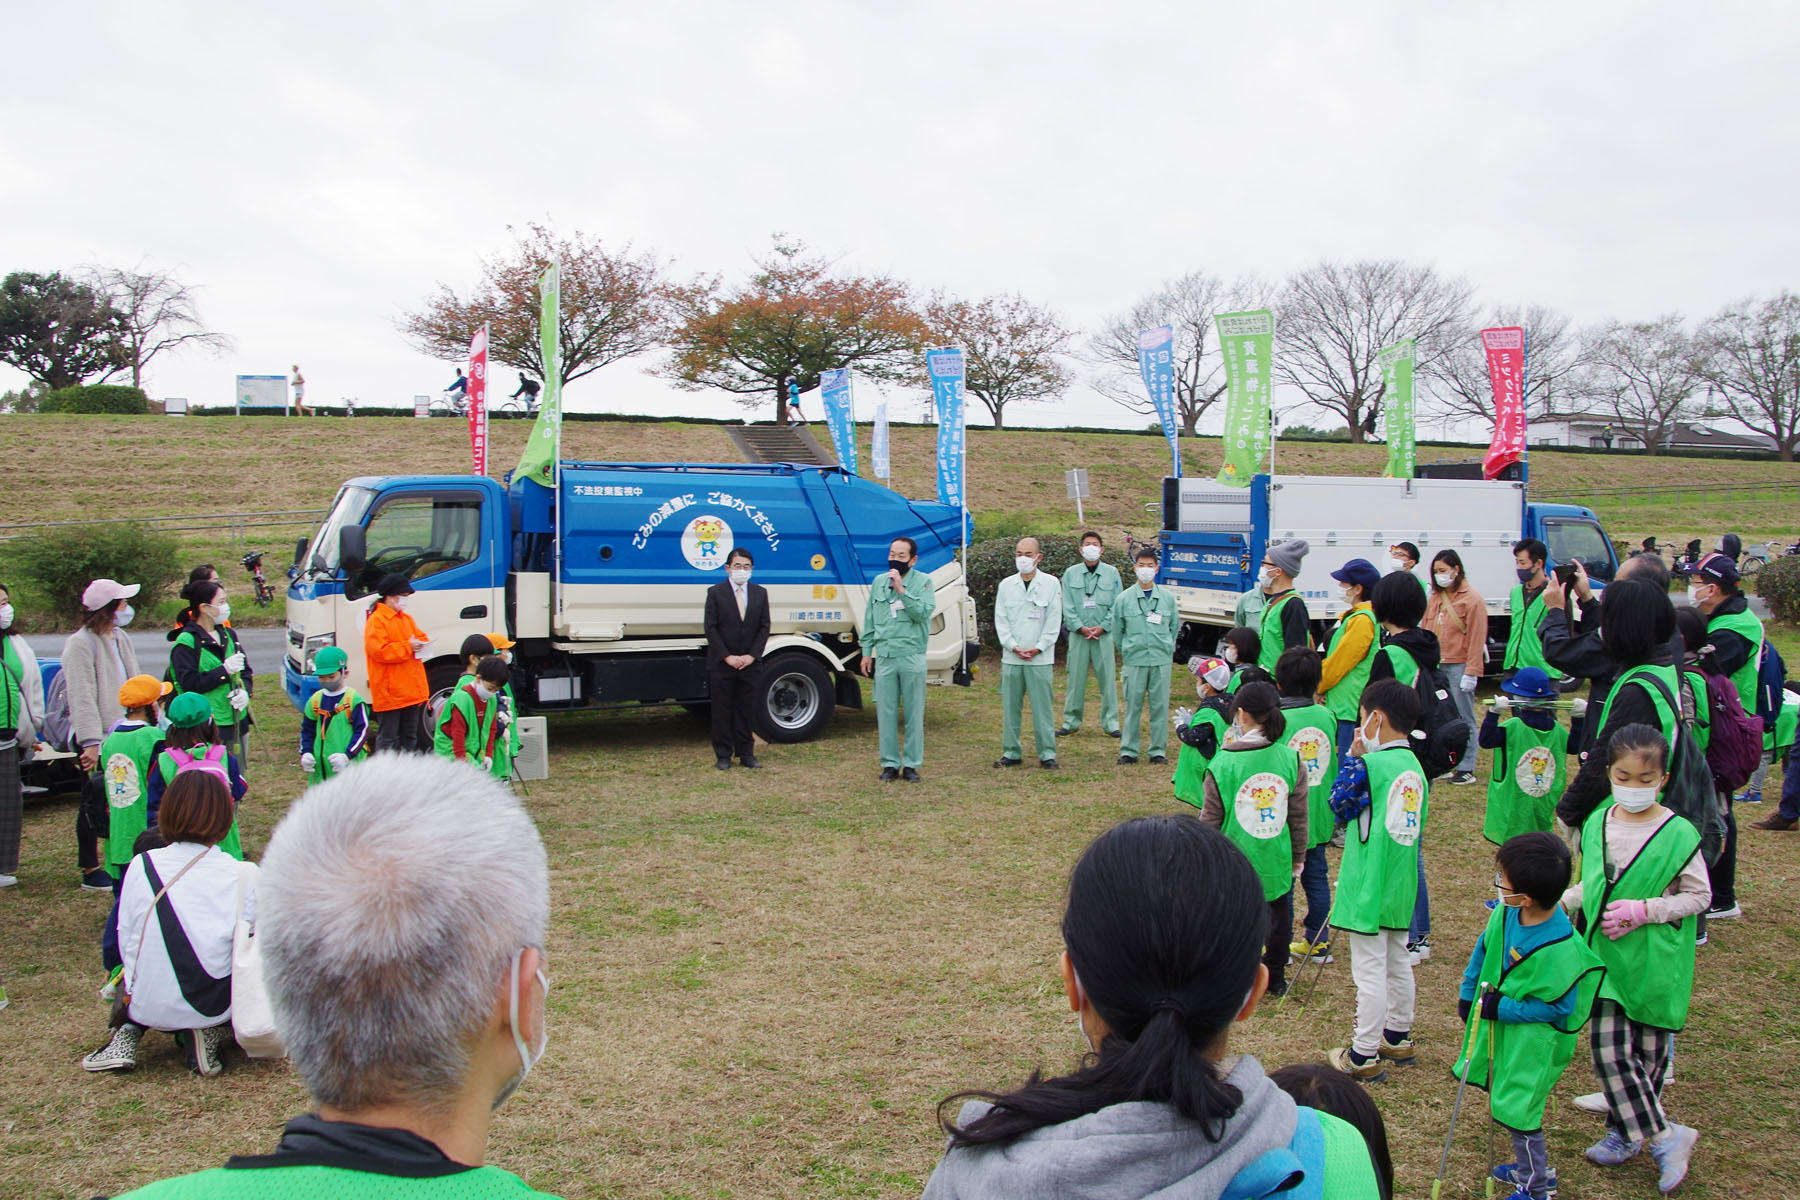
(1506, 370)
(478, 417)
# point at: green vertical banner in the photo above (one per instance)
(1396, 364)
(538, 460)
(1247, 340)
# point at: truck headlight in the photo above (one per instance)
(312, 647)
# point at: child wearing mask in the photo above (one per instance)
(125, 758)
(1241, 648)
(1265, 815)
(334, 725)
(1531, 764)
(1528, 989)
(1199, 729)
(1643, 886)
(1382, 796)
(1312, 733)
(472, 726)
(192, 743)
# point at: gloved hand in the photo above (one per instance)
(1623, 916)
(1469, 681)
(234, 662)
(307, 763)
(1578, 707)
(487, 764)
(1502, 702)
(339, 763)
(1463, 1009)
(1182, 716)
(240, 699)
(1490, 1006)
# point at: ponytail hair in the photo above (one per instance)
(1262, 703)
(196, 593)
(1164, 928)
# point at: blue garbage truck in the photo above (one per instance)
(602, 581)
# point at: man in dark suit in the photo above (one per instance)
(737, 629)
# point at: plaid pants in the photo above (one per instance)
(1632, 1061)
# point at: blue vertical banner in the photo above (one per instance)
(1156, 363)
(946, 370)
(878, 442)
(834, 393)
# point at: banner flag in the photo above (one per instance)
(1156, 365)
(878, 442)
(840, 415)
(544, 446)
(1506, 370)
(945, 368)
(1396, 363)
(478, 413)
(1247, 341)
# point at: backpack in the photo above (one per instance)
(1690, 791)
(1771, 680)
(214, 762)
(1442, 735)
(1734, 747)
(59, 722)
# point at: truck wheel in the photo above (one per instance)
(794, 698)
(440, 678)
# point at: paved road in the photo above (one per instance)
(263, 647)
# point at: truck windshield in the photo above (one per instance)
(351, 504)
(1570, 540)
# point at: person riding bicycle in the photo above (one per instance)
(528, 388)
(458, 392)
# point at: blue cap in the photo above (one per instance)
(1359, 571)
(1531, 683)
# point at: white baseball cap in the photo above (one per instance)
(103, 592)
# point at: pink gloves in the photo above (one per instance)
(1623, 916)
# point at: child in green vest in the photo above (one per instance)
(1382, 795)
(125, 757)
(1643, 884)
(1312, 733)
(472, 726)
(192, 744)
(1528, 989)
(334, 724)
(1256, 795)
(1200, 729)
(1531, 763)
(1241, 648)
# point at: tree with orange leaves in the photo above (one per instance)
(793, 319)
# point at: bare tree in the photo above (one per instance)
(1189, 303)
(1752, 356)
(157, 313)
(1011, 348)
(1646, 374)
(1333, 318)
(1461, 384)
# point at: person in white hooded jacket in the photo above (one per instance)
(1163, 939)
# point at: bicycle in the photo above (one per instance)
(265, 595)
(450, 404)
(1758, 557)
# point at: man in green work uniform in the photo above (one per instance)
(1143, 623)
(1283, 620)
(1027, 612)
(1088, 592)
(895, 628)
(1524, 645)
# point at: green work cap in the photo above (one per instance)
(190, 710)
(330, 660)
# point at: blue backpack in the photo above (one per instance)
(1771, 678)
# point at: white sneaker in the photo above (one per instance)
(8, 880)
(1593, 1102)
(1419, 951)
(1713, 914)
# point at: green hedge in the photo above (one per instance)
(117, 399)
(61, 563)
(991, 560)
(1778, 583)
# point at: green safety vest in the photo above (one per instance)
(1667, 717)
(1702, 727)
(1346, 694)
(512, 726)
(1406, 667)
(463, 701)
(224, 715)
(12, 678)
(1255, 789)
(1530, 772)
(125, 772)
(1378, 879)
(166, 765)
(1272, 645)
(1745, 625)
(1529, 1057)
(1787, 721)
(1524, 646)
(1312, 734)
(307, 1180)
(1190, 764)
(1649, 971)
(332, 731)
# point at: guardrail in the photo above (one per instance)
(236, 524)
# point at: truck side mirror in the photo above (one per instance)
(353, 548)
(299, 556)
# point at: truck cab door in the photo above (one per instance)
(1571, 538)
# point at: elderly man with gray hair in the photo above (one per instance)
(401, 914)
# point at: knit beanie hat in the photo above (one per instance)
(1287, 556)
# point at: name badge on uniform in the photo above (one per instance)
(1154, 618)
(894, 607)
(1090, 602)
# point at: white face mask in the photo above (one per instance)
(1267, 578)
(1146, 575)
(1369, 735)
(740, 575)
(1635, 799)
(506, 656)
(402, 603)
(124, 615)
(1026, 563)
(1090, 554)
(1445, 578)
(1694, 596)
(1230, 654)
(222, 611)
(1349, 597)
(527, 1059)
(1397, 564)
(6, 616)
(487, 691)
(1511, 899)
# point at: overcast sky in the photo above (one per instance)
(315, 169)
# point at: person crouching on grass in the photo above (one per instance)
(1529, 988)
(1643, 886)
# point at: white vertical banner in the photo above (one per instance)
(878, 442)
